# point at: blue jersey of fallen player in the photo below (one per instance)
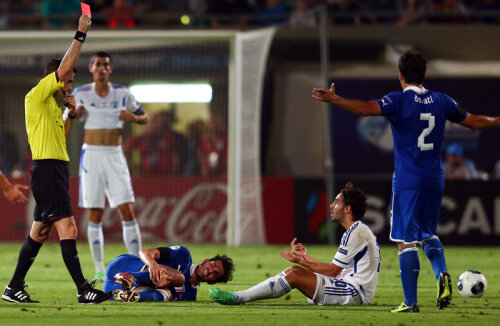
(179, 258)
(175, 257)
(418, 117)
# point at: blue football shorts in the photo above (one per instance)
(121, 264)
(415, 214)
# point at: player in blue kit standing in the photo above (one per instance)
(163, 274)
(417, 117)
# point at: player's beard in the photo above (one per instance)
(337, 217)
(197, 271)
(200, 272)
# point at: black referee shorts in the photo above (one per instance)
(49, 184)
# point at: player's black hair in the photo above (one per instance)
(228, 265)
(412, 66)
(52, 66)
(100, 54)
(355, 198)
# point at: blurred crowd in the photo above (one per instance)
(201, 150)
(123, 14)
(160, 150)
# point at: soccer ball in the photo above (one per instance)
(472, 284)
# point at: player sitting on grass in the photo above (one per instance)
(350, 279)
(163, 274)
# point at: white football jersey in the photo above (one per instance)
(104, 112)
(359, 256)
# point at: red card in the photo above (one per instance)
(85, 9)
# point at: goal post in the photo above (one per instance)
(232, 62)
(245, 217)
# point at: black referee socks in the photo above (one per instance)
(27, 256)
(70, 257)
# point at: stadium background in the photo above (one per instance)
(180, 205)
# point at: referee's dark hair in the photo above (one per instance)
(356, 198)
(412, 65)
(52, 66)
(100, 54)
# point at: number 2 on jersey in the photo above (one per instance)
(421, 141)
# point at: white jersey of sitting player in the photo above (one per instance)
(359, 256)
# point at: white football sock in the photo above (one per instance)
(271, 288)
(132, 237)
(96, 243)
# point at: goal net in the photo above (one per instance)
(195, 167)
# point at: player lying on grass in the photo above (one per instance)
(163, 274)
(350, 279)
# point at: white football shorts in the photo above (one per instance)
(334, 291)
(104, 173)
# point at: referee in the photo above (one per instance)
(49, 174)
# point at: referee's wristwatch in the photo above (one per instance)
(73, 116)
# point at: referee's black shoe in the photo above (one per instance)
(89, 295)
(17, 295)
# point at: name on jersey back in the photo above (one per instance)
(426, 100)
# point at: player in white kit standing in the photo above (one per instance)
(350, 279)
(104, 107)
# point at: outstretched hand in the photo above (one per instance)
(291, 257)
(297, 247)
(15, 194)
(324, 95)
(297, 253)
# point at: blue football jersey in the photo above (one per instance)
(418, 117)
(180, 259)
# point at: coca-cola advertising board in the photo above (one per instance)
(170, 210)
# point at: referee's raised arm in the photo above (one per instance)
(50, 182)
(71, 56)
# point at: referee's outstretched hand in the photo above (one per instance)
(84, 23)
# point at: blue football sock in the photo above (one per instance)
(409, 269)
(434, 250)
(143, 278)
(151, 295)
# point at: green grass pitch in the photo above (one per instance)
(50, 283)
